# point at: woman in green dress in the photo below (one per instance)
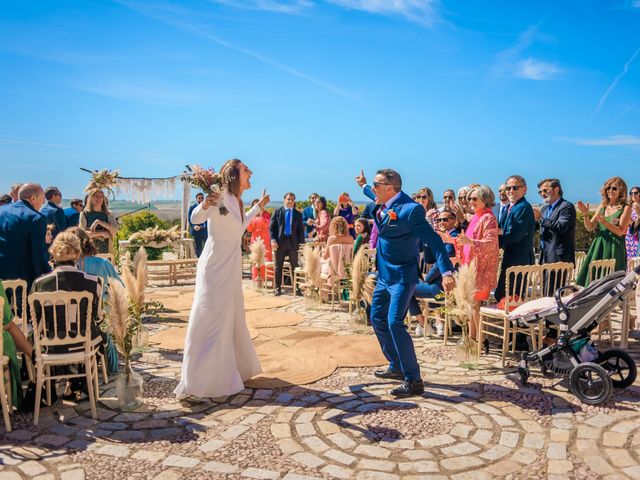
(610, 221)
(12, 336)
(98, 222)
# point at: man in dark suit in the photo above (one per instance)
(402, 228)
(309, 215)
(72, 213)
(22, 236)
(557, 224)
(287, 232)
(198, 230)
(52, 210)
(517, 229)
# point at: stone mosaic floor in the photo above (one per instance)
(471, 424)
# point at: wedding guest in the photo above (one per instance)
(259, 228)
(448, 199)
(424, 197)
(347, 210)
(631, 239)
(363, 230)
(611, 222)
(197, 231)
(22, 236)
(52, 210)
(90, 263)
(15, 191)
(557, 223)
(322, 220)
(72, 212)
(5, 199)
(287, 233)
(98, 221)
(48, 239)
(461, 207)
(338, 235)
(309, 215)
(500, 210)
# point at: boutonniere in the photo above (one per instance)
(392, 215)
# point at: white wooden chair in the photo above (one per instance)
(5, 382)
(71, 335)
(600, 268)
(580, 256)
(552, 277)
(17, 293)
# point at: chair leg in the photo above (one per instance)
(105, 374)
(505, 341)
(88, 368)
(48, 373)
(447, 328)
(5, 403)
(480, 336)
(96, 377)
(39, 382)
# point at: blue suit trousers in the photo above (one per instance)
(423, 290)
(388, 309)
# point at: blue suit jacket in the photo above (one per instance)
(54, 214)
(518, 227)
(399, 240)
(434, 275)
(72, 217)
(307, 214)
(22, 242)
(203, 226)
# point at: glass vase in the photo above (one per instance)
(467, 350)
(311, 299)
(141, 340)
(129, 389)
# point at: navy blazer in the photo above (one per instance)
(72, 217)
(399, 240)
(307, 214)
(434, 275)
(518, 227)
(22, 242)
(203, 226)
(558, 233)
(276, 227)
(54, 214)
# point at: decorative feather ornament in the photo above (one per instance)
(312, 267)
(257, 252)
(119, 319)
(463, 294)
(359, 270)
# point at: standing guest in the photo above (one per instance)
(631, 240)
(22, 236)
(611, 222)
(48, 239)
(363, 230)
(259, 228)
(323, 219)
(461, 207)
(500, 210)
(347, 210)
(15, 191)
(309, 215)
(424, 197)
(402, 230)
(72, 213)
(197, 231)
(518, 227)
(557, 224)
(5, 199)
(287, 233)
(53, 211)
(448, 199)
(97, 220)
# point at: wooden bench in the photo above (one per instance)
(172, 270)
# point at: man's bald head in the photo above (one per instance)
(32, 193)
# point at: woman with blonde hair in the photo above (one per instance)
(97, 220)
(338, 235)
(218, 353)
(611, 222)
(424, 197)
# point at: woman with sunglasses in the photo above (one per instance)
(610, 221)
(631, 239)
(425, 198)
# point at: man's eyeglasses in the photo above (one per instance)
(515, 188)
(543, 190)
(444, 219)
(448, 197)
(378, 184)
(613, 188)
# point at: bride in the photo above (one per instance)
(218, 353)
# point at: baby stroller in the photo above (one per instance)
(592, 374)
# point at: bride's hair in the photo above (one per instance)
(230, 173)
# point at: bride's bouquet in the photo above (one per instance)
(209, 182)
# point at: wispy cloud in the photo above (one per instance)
(611, 141)
(423, 12)
(616, 80)
(279, 6)
(533, 69)
(150, 11)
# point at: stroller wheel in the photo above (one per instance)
(620, 366)
(591, 383)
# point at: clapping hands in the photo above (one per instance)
(584, 209)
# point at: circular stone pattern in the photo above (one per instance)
(445, 431)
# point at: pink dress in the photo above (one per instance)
(322, 226)
(483, 230)
(259, 228)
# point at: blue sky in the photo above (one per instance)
(307, 92)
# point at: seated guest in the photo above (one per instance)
(65, 252)
(13, 337)
(363, 230)
(72, 213)
(432, 284)
(5, 199)
(90, 263)
(347, 210)
(322, 220)
(96, 219)
(48, 239)
(338, 235)
(52, 210)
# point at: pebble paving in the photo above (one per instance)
(469, 424)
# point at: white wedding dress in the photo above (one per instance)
(218, 352)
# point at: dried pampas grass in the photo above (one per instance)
(312, 266)
(134, 276)
(464, 294)
(156, 235)
(257, 252)
(360, 269)
(368, 288)
(119, 318)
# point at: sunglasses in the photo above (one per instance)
(448, 197)
(612, 188)
(473, 199)
(543, 190)
(438, 220)
(422, 197)
(635, 192)
(378, 184)
(515, 188)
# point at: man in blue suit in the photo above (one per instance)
(517, 228)
(52, 210)
(309, 215)
(72, 213)
(402, 229)
(22, 236)
(198, 231)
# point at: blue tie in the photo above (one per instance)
(287, 222)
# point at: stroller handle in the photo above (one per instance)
(560, 292)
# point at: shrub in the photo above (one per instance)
(137, 222)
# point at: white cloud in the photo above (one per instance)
(418, 11)
(279, 6)
(533, 69)
(614, 84)
(611, 141)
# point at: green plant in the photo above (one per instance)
(138, 222)
(583, 236)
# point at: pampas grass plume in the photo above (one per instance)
(464, 294)
(257, 252)
(312, 266)
(119, 319)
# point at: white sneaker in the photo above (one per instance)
(440, 329)
(418, 332)
(428, 330)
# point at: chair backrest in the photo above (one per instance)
(340, 255)
(16, 291)
(580, 256)
(523, 282)
(61, 318)
(554, 276)
(107, 256)
(601, 268)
